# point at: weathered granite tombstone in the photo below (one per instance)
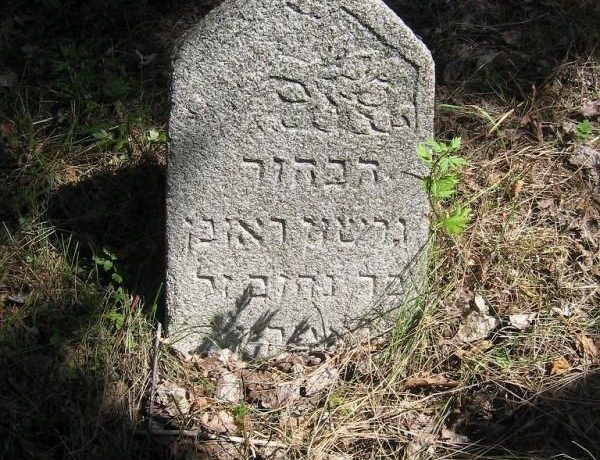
(294, 205)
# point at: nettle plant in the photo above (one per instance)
(445, 167)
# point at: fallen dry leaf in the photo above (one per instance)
(476, 326)
(286, 394)
(559, 366)
(421, 427)
(219, 423)
(563, 311)
(434, 382)
(546, 204)
(511, 37)
(229, 387)
(230, 359)
(323, 378)
(292, 363)
(216, 361)
(586, 157)
(477, 347)
(199, 403)
(297, 428)
(586, 347)
(569, 127)
(114, 397)
(172, 399)
(591, 108)
(522, 321)
(481, 305)
(452, 437)
(516, 188)
(270, 396)
(8, 78)
(19, 298)
(212, 450)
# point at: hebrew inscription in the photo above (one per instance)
(258, 233)
(295, 212)
(299, 171)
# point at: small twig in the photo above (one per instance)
(211, 437)
(154, 377)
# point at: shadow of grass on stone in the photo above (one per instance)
(227, 332)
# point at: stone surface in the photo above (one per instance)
(294, 205)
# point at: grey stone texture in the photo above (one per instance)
(294, 204)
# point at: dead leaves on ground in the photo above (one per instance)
(221, 422)
(288, 391)
(295, 383)
(478, 322)
(588, 158)
(559, 366)
(587, 348)
(435, 383)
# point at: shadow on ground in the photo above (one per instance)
(65, 394)
(122, 211)
(553, 424)
(498, 47)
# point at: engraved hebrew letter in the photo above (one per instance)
(368, 284)
(347, 230)
(227, 286)
(394, 286)
(380, 229)
(327, 286)
(335, 172)
(305, 171)
(245, 232)
(202, 234)
(206, 286)
(396, 234)
(280, 168)
(369, 171)
(306, 287)
(281, 287)
(277, 231)
(313, 230)
(258, 286)
(255, 168)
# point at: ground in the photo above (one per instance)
(499, 357)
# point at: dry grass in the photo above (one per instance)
(75, 347)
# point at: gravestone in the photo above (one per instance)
(294, 205)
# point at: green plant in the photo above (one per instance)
(441, 184)
(115, 139)
(155, 136)
(107, 263)
(583, 129)
(240, 412)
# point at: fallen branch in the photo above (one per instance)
(211, 437)
(154, 375)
